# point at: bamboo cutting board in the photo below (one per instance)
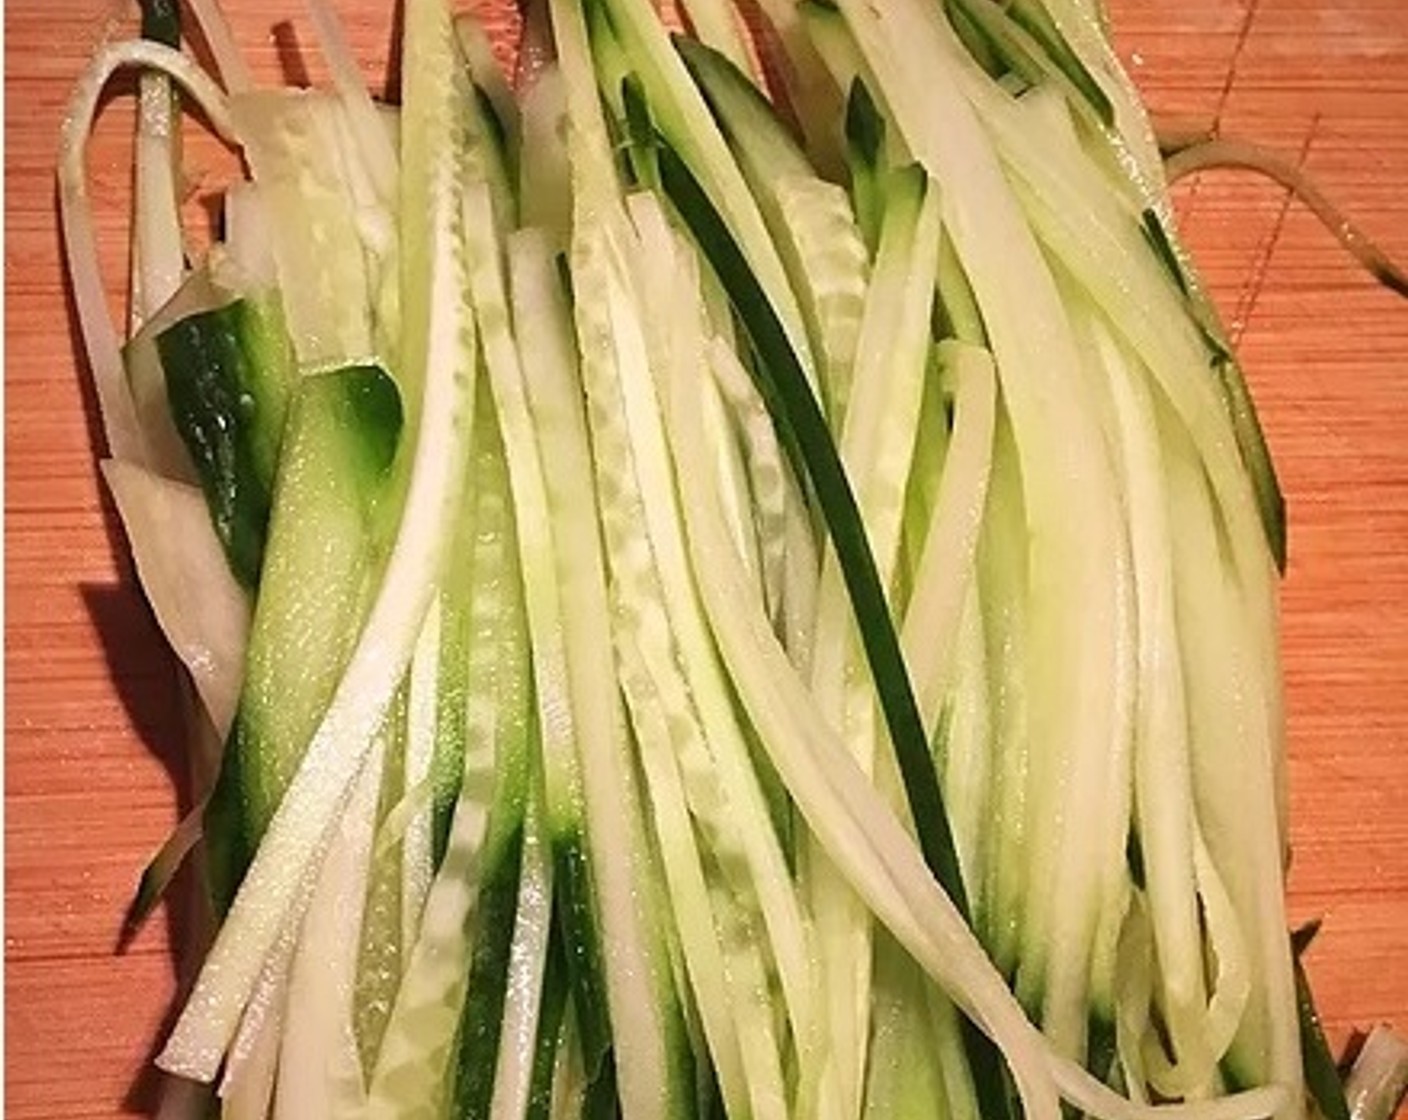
(92, 716)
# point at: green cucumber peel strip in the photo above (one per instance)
(782, 380)
(1322, 1075)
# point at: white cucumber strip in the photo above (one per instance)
(439, 356)
(1134, 979)
(291, 142)
(202, 611)
(100, 339)
(966, 758)
(719, 26)
(1232, 767)
(320, 1073)
(948, 557)
(1075, 632)
(1162, 782)
(1105, 250)
(674, 662)
(422, 710)
(252, 1064)
(518, 1040)
(158, 257)
(1002, 578)
(683, 118)
(507, 378)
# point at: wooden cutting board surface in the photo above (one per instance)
(92, 716)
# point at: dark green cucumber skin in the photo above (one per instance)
(343, 430)
(228, 375)
(161, 22)
(552, 1014)
(481, 1019)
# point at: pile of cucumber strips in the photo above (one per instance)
(731, 576)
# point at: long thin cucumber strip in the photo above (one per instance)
(1231, 765)
(1138, 155)
(947, 560)
(540, 421)
(719, 26)
(1162, 783)
(382, 952)
(666, 728)
(227, 374)
(866, 840)
(158, 257)
(544, 178)
(202, 611)
(1002, 580)
(964, 746)
(219, 36)
(320, 1072)
(251, 1066)
(100, 339)
(560, 434)
(733, 477)
(417, 1054)
(527, 971)
(489, 78)
(877, 446)
(679, 111)
(438, 353)
(1076, 631)
(651, 1056)
(422, 710)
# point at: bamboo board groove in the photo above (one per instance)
(91, 719)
